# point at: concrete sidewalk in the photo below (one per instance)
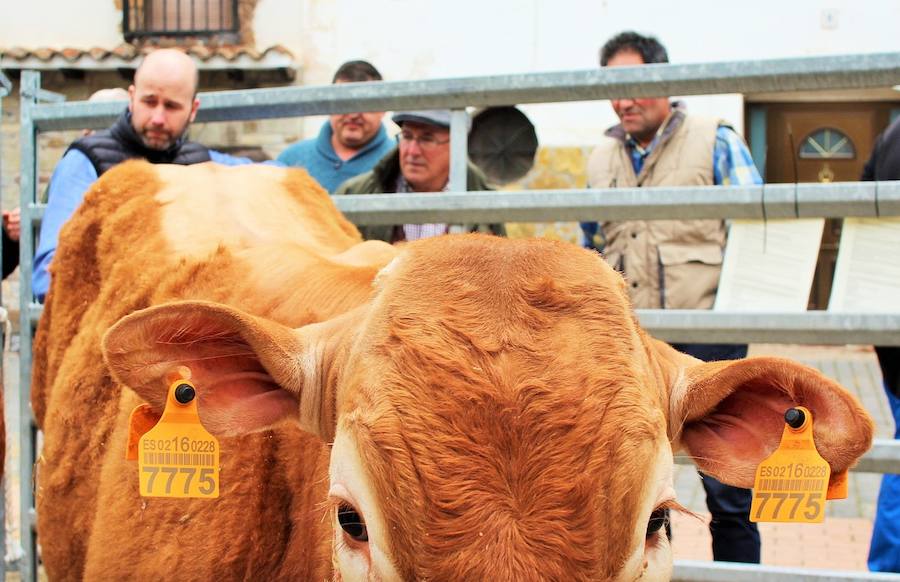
(842, 541)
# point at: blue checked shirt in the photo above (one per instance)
(732, 166)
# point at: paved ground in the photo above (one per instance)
(841, 543)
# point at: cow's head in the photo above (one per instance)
(496, 411)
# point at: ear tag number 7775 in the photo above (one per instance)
(791, 484)
(178, 457)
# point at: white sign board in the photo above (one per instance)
(769, 265)
(867, 274)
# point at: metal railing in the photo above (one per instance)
(5, 88)
(770, 201)
(695, 571)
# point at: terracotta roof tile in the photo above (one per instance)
(123, 51)
(44, 54)
(17, 53)
(127, 55)
(71, 54)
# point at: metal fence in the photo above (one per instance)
(5, 88)
(769, 201)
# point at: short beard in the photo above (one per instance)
(166, 145)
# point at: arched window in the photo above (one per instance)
(827, 143)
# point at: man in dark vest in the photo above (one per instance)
(162, 103)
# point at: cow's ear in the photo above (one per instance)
(250, 373)
(729, 416)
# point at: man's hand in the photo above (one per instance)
(12, 223)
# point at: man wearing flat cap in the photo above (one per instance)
(419, 163)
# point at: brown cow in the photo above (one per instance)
(491, 408)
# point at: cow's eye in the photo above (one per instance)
(352, 523)
(658, 520)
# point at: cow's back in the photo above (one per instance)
(265, 240)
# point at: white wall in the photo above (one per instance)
(427, 39)
(422, 39)
(57, 24)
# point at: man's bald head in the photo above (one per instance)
(163, 97)
(169, 63)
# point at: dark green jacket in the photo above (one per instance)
(382, 179)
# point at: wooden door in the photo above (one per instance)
(822, 142)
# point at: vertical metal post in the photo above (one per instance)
(459, 149)
(29, 90)
(5, 86)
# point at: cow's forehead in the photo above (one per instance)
(548, 469)
(492, 282)
(505, 388)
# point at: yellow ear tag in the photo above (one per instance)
(178, 457)
(791, 483)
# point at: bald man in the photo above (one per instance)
(162, 103)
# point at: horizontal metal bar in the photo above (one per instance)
(809, 327)
(796, 74)
(753, 202)
(697, 571)
(883, 457)
(50, 96)
(78, 114)
(772, 201)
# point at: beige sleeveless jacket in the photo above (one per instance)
(668, 264)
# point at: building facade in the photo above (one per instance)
(91, 44)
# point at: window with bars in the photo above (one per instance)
(143, 18)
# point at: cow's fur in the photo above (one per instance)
(512, 418)
(113, 259)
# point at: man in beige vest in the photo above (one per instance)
(673, 264)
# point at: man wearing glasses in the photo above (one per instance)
(419, 163)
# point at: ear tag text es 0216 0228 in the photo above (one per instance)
(792, 484)
(177, 457)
